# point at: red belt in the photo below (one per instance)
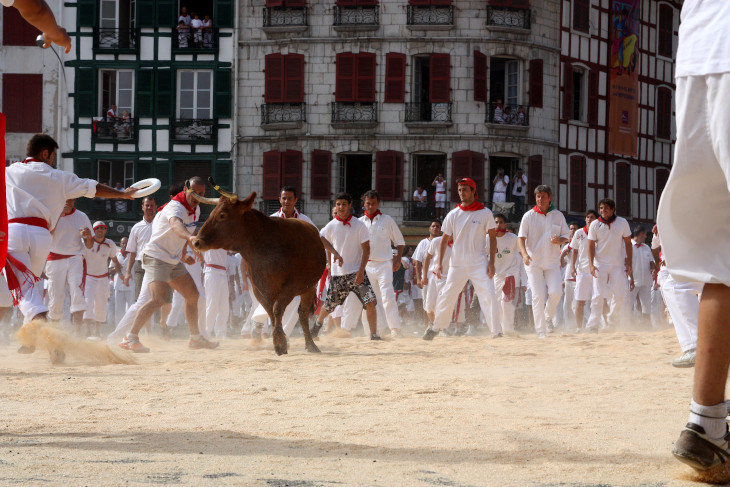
(99, 276)
(55, 256)
(215, 266)
(32, 221)
(441, 192)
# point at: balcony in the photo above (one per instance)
(357, 114)
(194, 131)
(356, 18)
(430, 18)
(428, 114)
(508, 18)
(187, 40)
(278, 116)
(285, 19)
(118, 41)
(120, 131)
(509, 115)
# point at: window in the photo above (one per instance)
(281, 169)
(356, 13)
(116, 25)
(285, 13)
(574, 93)
(284, 78)
(431, 89)
(536, 83)
(505, 92)
(117, 88)
(430, 12)
(666, 31)
(509, 13)
(16, 31)
(395, 77)
(113, 172)
(195, 93)
(592, 108)
(467, 164)
(389, 175)
(321, 174)
(23, 101)
(623, 189)
(661, 182)
(582, 15)
(355, 88)
(664, 113)
(577, 184)
(480, 76)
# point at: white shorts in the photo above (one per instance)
(583, 286)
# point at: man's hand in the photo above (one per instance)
(359, 277)
(490, 269)
(129, 193)
(424, 281)
(188, 259)
(338, 258)
(85, 233)
(526, 259)
(59, 37)
(632, 285)
(574, 273)
(594, 271)
(438, 271)
(396, 263)
(629, 271)
(125, 280)
(555, 239)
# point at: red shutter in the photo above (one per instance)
(365, 77)
(272, 175)
(419, 2)
(294, 78)
(321, 174)
(477, 172)
(291, 169)
(480, 76)
(440, 78)
(295, 3)
(661, 181)
(367, 3)
(510, 3)
(461, 167)
(16, 31)
(622, 189)
(593, 97)
(346, 3)
(345, 73)
(441, 3)
(23, 101)
(536, 83)
(581, 15)
(577, 184)
(389, 175)
(534, 177)
(274, 3)
(664, 113)
(274, 74)
(666, 28)
(395, 78)
(568, 91)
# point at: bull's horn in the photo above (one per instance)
(203, 199)
(232, 196)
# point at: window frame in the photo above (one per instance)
(196, 108)
(132, 90)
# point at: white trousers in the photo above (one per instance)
(611, 284)
(288, 321)
(455, 281)
(569, 305)
(506, 308)
(63, 275)
(643, 293)
(6, 299)
(352, 309)
(30, 245)
(499, 197)
(217, 306)
(432, 291)
(123, 300)
(380, 274)
(682, 301)
(96, 294)
(546, 286)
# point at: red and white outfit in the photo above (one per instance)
(507, 278)
(543, 273)
(123, 295)
(138, 238)
(217, 304)
(434, 283)
(500, 190)
(65, 266)
(96, 290)
(640, 266)
(440, 196)
(36, 194)
(177, 307)
(420, 255)
(583, 277)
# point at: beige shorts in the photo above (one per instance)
(159, 270)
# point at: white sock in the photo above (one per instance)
(711, 418)
(132, 335)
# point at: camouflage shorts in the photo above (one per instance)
(342, 286)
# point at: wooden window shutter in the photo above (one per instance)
(395, 78)
(272, 175)
(85, 92)
(593, 96)
(622, 189)
(419, 3)
(145, 13)
(321, 174)
(577, 184)
(477, 172)
(294, 78)
(664, 113)
(144, 93)
(440, 78)
(222, 95)
(534, 177)
(85, 168)
(582, 15)
(16, 31)
(536, 83)
(461, 167)
(480, 76)
(163, 172)
(274, 3)
(166, 13)
(365, 77)
(274, 78)
(22, 104)
(295, 3)
(291, 170)
(510, 3)
(366, 3)
(223, 173)
(441, 3)
(661, 182)
(345, 74)
(568, 91)
(224, 13)
(389, 175)
(346, 3)
(86, 13)
(666, 27)
(164, 104)
(143, 170)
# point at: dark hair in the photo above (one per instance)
(608, 202)
(175, 189)
(196, 180)
(435, 221)
(592, 212)
(290, 189)
(500, 215)
(371, 193)
(544, 188)
(150, 198)
(343, 196)
(38, 143)
(577, 224)
(639, 230)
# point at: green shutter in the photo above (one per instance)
(163, 172)
(85, 168)
(145, 18)
(223, 174)
(143, 170)
(86, 13)
(164, 96)
(143, 104)
(85, 92)
(166, 14)
(222, 107)
(223, 13)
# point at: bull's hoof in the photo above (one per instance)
(281, 351)
(281, 348)
(313, 348)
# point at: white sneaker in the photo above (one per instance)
(541, 335)
(471, 331)
(396, 333)
(686, 360)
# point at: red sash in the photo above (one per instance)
(509, 289)
(55, 256)
(99, 276)
(31, 220)
(216, 266)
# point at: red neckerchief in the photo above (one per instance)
(30, 159)
(180, 198)
(372, 217)
(346, 221)
(475, 206)
(609, 221)
(73, 210)
(538, 210)
(637, 245)
(585, 229)
(283, 215)
(98, 248)
(124, 253)
(498, 230)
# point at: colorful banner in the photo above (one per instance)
(3, 207)
(623, 114)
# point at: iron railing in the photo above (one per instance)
(285, 16)
(195, 131)
(188, 39)
(518, 18)
(118, 130)
(432, 15)
(283, 113)
(267, 207)
(115, 39)
(349, 112)
(509, 114)
(356, 16)
(428, 112)
(419, 212)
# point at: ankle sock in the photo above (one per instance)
(711, 418)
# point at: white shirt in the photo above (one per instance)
(538, 229)
(138, 237)
(610, 248)
(165, 244)
(383, 230)
(641, 260)
(422, 194)
(35, 189)
(184, 18)
(66, 237)
(507, 261)
(441, 191)
(704, 47)
(469, 230)
(501, 186)
(118, 284)
(420, 253)
(433, 251)
(218, 257)
(196, 23)
(97, 257)
(297, 215)
(580, 244)
(347, 241)
(519, 186)
(233, 264)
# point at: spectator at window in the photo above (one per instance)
(519, 189)
(420, 196)
(508, 116)
(197, 26)
(207, 31)
(111, 114)
(519, 118)
(501, 180)
(183, 34)
(184, 17)
(124, 127)
(498, 112)
(120, 206)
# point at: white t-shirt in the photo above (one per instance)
(196, 23)
(501, 186)
(538, 230)
(165, 244)
(641, 260)
(233, 264)
(422, 194)
(383, 230)
(66, 237)
(433, 251)
(297, 215)
(507, 261)
(441, 191)
(610, 248)
(347, 240)
(469, 230)
(519, 186)
(97, 257)
(704, 46)
(217, 257)
(118, 284)
(184, 18)
(138, 237)
(580, 244)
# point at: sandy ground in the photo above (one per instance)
(574, 410)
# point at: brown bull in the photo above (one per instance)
(285, 257)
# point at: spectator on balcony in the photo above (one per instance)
(440, 184)
(120, 206)
(183, 34)
(124, 127)
(111, 114)
(197, 26)
(184, 17)
(498, 116)
(519, 117)
(519, 189)
(207, 31)
(508, 116)
(501, 181)
(419, 196)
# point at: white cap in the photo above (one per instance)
(99, 224)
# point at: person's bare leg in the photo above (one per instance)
(158, 290)
(372, 315)
(580, 307)
(713, 345)
(186, 287)
(164, 313)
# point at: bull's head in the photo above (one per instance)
(219, 230)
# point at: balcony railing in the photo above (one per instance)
(194, 131)
(119, 130)
(348, 112)
(419, 212)
(516, 18)
(428, 112)
(267, 207)
(509, 114)
(356, 16)
(189, 39)
(430, 15)
(115, 39)
(285, 16)
(283, 113)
